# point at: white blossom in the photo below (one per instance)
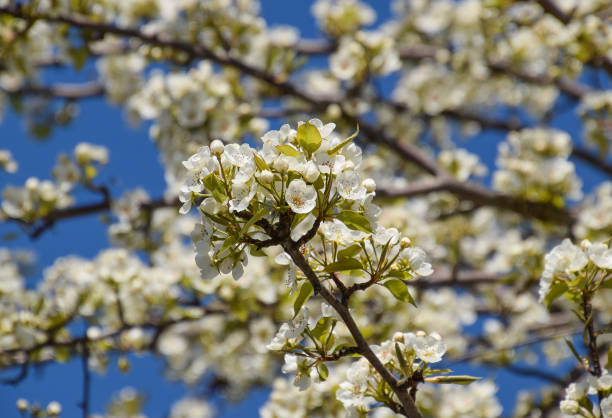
(301, 197)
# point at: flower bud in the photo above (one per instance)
(22, 405)
(123, 364)
(282, 165)
(333, 111)
(210, 205)
(405, 242)
(399, 337)
(312, 173)
(369, 184)
(266, 177)
(569, 407)
(54, 408)
(217, 147)
(93, 333)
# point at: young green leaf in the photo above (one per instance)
(399, 290)
(349, 252)
(304, 294)
(309, 137)
(400, 358)
(557, 288)
(323, 371)
(260, 163)
(354, 220)
(322, 328)
(457, 380)
(344, 264)
(288, 150)
(260, 214)
(215, 187)
(338, 147)
(574, 352)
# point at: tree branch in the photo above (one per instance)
(408, 406)
(484, 197)
(44, 223)
(61, 90)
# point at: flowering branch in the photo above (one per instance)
(409, 408)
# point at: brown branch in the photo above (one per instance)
(406, 151)
(568, 330)
(550, 7)
(594, 160)
(77, 342)
(408, 407)
(572, 88)
(466, 278)
(484, 197)
(61, 90)
(44, 223)
(511, 124)
(590, 338)
(86, 379)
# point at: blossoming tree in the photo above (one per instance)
(324, 230)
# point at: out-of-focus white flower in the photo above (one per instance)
(191, 408)
(7, 162)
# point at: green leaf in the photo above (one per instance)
(400, 357)
(319, 183)
(344, 264)
(607, 284)
(355, 220)
(323, 371)
(338, 147)
(429, 371)
(260, 163)
(457, 380)
(309, 137)
(557, 288)
(260, 214)
(62, 354)
(344, 345)
(348, 252)
(227, 244)
(399, 290)
(610, 356)
(217, 219)
(288, 150)
(79, 56)
(573, 350)
(215, 187)
(305, 293)
(400, 274)
(323, 326)
(256, 252)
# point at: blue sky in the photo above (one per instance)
(134, 163)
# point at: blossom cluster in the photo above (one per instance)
(568, 265)
(534, 164)
(405, 354)
(577, 403)
(297, 177)
(36, 198)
